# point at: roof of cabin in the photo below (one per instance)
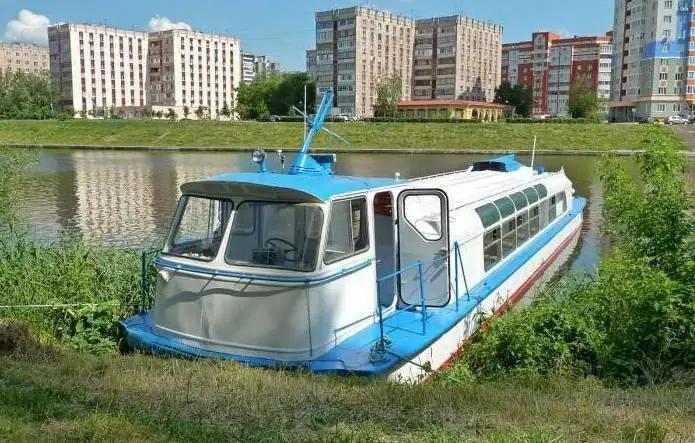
(284, 186)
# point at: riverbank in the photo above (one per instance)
(362, 137)
(48, 396)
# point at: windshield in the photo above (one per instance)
(198, 227)
(278, 235)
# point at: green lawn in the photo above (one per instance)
(56, 397)
(360, 135)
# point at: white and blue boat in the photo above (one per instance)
(352, 275)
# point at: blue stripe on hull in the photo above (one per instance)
(352, 355)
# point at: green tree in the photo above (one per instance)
(520, 96)
(275, 94)
(200, 112)
(186, 111)
(389, 92)
(171, 115)
(583, 102)
(26, 96)
(226, 110)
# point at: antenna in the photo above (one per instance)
(533, 152)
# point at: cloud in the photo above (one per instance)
(28, 27)
(158, 23)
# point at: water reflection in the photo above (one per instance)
(129, 197)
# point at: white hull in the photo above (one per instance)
(534, 272)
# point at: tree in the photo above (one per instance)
(171, 115)
(226, 111)
(583, 102)
(520, 96)
(186, 111)
(159, 114)
(200, 112)
(26, 96)
(388, 93)
(275, 94)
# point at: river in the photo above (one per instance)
(128, 197)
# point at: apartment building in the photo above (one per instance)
(98, 68)
(192, 70)
(257, 66)
(311, 63)
(357, 47)
(23, 57)
(654, 68)
(456, 57)
(553, 66)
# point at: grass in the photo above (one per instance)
(53, 396)
(360, 135)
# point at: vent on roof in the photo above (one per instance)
(507, 163)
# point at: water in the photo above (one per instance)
(129, 197)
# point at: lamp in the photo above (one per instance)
(258, 158)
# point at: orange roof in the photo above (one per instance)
(449, 103)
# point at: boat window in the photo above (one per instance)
(544, 211)
(284, 235)
(522, 228)
(348, 232)
(532, 195)
(561, 203)
(519, 200)
(489, 215)
(506, 206)
(492, 248)
(198, 228)
(534, 221)
(508, 237)
(424, 213)
(542, 191)
(552, 213)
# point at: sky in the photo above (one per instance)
(284, 30)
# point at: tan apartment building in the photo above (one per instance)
(23, 57)
(98, 69)
(188, 69)
(456, 57)
(356, 48)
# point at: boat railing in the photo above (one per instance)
(380, 347)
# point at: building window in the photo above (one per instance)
(662, 107)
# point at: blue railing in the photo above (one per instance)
(383, 343)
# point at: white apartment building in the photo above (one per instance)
(311, 63)
(191, 71)
(248, 62)
(456, 57)
(98, 68)
(356, 48)
(653, 72)
(31, 59)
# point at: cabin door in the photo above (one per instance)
(423, 236)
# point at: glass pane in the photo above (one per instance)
(532, 195)
(519, 200)
(544, 213)
(199, 228)
(424, 213)
(489, 215)
(535, 222)
(284, 235)
(347, 232)
(522, 228)
(542, 191)
(492, 248)
(506, 206)
(508, 237)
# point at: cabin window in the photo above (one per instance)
(284, 235)
(492, 245)
(522, 228)
(561, 203)
(519, 200)
(508, 237)
(542, 191)
(532, 195)
(199, 226)
(506, 206)
(534, 221)
(348, 230)
(544, 212)
(552, 214)
(424, 213)
(489, 215)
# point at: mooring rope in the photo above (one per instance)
(63, 305)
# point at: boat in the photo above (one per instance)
(385, 277)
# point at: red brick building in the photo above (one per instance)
(552, 65)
